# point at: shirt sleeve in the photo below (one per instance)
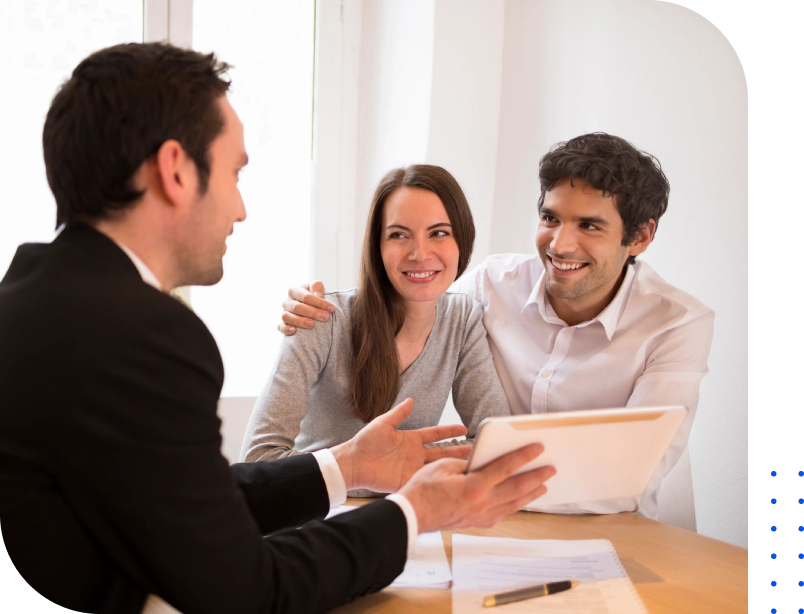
(676, 364)
(336, 488)
(469, 282)
(410, 518)
(333, 478)
(285, 400)
(673, 376)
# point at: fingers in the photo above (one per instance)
(295, 309)
(497, 512)
(502, 468)
(309, 297)
(317, 288)
(434, 454)
(286, 330)
(398, 414)
(442, 466)
(431, 434)
(521, 485)
(294, 321)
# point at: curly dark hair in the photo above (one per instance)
(116, 110)
(634, 178)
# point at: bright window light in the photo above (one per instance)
(270, 45)
(40, 43)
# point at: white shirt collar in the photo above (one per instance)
(608, 317)
(147, 274)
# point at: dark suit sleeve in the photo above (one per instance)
(141, 465)
(295, 481)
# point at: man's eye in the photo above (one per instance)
(548, 219)
(588, 226)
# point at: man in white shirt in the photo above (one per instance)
(583, 325)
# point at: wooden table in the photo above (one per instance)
(672, 569)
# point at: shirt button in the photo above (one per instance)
(546, 374)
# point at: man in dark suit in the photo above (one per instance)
(112, 485)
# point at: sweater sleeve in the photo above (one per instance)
(285, 399)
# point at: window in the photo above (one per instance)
(271, 48)
(41, 42)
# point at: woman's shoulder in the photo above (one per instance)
(343, 300)
(456, 307)
(324, 334)
(458, 301)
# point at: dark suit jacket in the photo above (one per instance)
(112, 484)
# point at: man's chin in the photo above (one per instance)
(209, 277)
(561, 291)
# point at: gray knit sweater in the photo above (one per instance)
(306, 404)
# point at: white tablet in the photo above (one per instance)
(598, 454)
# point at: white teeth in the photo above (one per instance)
(420, 275)
(567, 267)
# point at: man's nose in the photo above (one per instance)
(241, 211)
(563, 241)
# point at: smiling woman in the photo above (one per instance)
(399, 335)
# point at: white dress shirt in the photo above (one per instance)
(330, 470)
(648, 347)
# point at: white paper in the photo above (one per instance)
(427, 565)
(489, 565)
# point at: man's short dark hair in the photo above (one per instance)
(116, 110)
(634, 178)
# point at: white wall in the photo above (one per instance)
(465, 105)
(508, 79)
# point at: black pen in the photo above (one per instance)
(529, 593)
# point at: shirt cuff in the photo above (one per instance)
(410, 517)
(333, 478)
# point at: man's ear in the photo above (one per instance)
(176, 171)
(643, 238)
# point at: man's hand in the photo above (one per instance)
(445, 497)
(382, 458)
(304, 305)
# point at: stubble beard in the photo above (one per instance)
(207, 273)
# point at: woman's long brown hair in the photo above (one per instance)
(379, 312)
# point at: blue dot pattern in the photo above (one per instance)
(785, 513)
